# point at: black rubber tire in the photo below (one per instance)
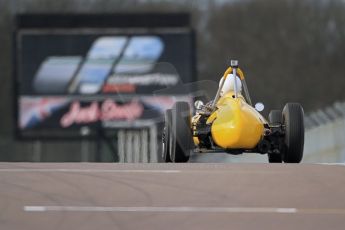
(166, 136)
(293, 119)
(180, 135)
(275, 117)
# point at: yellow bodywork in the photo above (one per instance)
(235, 124)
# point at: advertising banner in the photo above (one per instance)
(54, 114)
(86, 64)
(68, 79)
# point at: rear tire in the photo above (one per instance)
(275, 117)
(180, 135)
(293, 119)
(166, 136)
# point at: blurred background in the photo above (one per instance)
(290, 51)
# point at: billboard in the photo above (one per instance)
(74, 81)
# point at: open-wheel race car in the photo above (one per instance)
(231, 124)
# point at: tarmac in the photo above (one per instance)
(171, 196)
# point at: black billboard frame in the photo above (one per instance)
(150, 21)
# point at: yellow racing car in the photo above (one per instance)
(231, 124)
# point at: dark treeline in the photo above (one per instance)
(290, 50)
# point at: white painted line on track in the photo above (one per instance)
(91, 170)
(34, 209)
(341, 164)
(198, 171)
(173, 209)
(158, 209)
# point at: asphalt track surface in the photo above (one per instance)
(171, 196)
